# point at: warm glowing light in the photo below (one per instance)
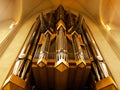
(108, 27)
(11, 26)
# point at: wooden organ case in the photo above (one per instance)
(59, 54)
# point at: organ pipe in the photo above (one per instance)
(77, 48)
(44, 51)
(30, 54)
(24, 52)
(98, 59)
(78, 51)
(61, 47)
(59, 53)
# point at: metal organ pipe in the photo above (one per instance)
(44, 50)
(43, 54)
(30, 54)
(77, 48)
(61, 41)
(99, 61)
(45, 45)
(61, 50)
(78, 52)
(24, 52)
(67, 55)
(61, 47)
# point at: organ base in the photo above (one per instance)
(49, 78)
(16, 83)
(106, 84)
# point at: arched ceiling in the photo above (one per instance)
(16, 10)
(109, 12)
(10, 10)
(90, 9)
(104, 11)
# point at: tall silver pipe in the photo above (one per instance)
(97, 54)
(23, 54)
(61, 45)
(30, 54)
(61, 50)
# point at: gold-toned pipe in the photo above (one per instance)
(79, 55)
(44, 51)
(77, 48)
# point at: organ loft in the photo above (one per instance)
(59, 53)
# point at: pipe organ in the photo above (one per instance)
(60, 53)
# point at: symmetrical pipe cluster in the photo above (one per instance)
(76, 32)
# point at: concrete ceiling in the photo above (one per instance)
(90, 9)
(105, 11)
(10, 10)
